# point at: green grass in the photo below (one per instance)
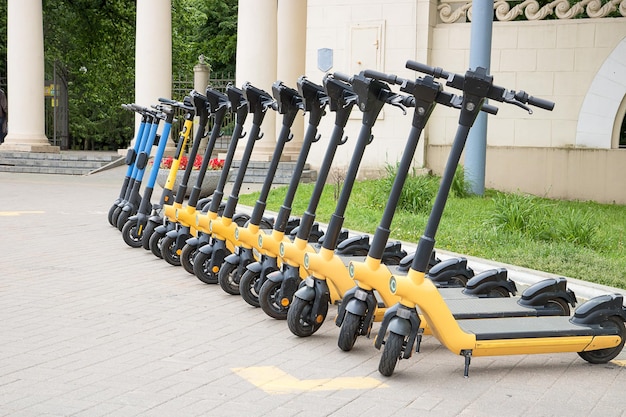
(583, 240)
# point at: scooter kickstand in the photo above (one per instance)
(418, 340)
(468, 359)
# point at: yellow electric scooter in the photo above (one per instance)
(485, 295)
(596, 330)
(312, 99)
(209, 258)
(328, 276)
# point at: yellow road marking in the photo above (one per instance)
(275, 381)
(19, 213)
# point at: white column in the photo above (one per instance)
(291, 47)
(25, 74)
(256, 61)
(153, 53)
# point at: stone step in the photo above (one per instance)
(65, 162)
(257, 171)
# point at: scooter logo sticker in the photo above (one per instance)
(351, 270)
(260, 241)
(393, 285)
(237, 234)
(211, 226)
(281, 249)
(306, 260)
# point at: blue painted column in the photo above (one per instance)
(480, 56)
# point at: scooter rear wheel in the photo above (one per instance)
(228, 279)
(299, 317)
(147, 234)
(110, 215)
(202, 268)
(247, 289)
(116, 213)
(187, 256)
(155, 243)
(129, 234)
(392, 349)
(122, 218)
(605, 355)
(269, 301)
(349, 331)
(169, 252)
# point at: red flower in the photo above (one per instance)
(216, 163)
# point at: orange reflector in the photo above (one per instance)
(284, 302)
(319, 319)
(216, 269)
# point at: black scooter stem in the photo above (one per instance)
(371, 97)
(239, 106)
(218, 105)
(200, 105)
(288, 103)
(258, 103)
(341, 101)
(314, 100)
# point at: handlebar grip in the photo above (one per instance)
(427, 69)
(488, 108)
(540, 102)
(390, 78)
(342, 77)
(166, 100)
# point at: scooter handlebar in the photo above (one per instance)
(390, 78)
(342, 77)
(436, 72)
(495, 92)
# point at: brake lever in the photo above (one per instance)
(397, 101)
(511, 98)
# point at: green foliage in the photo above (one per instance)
(581, 240)
(416, 196)
(92, 45)
(461, 186)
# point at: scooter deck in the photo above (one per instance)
(480, 308)
(525, 328)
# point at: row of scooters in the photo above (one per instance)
(293, 270)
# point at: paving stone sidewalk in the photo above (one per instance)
(92, 327)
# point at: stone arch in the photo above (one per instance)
(603, 108)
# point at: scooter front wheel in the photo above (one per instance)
(169, 252)
(155, 243)
(299, 318)
(130, 234)
(392, 349)
(247, 287)
(202, 268)
(270, 302)
(228, 278)
(605, 355)
(187, 257)
(349, 331)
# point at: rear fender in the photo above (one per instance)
(483, 284)
(538, 294)
(443, 272)
(598, 309)
(354, 245)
